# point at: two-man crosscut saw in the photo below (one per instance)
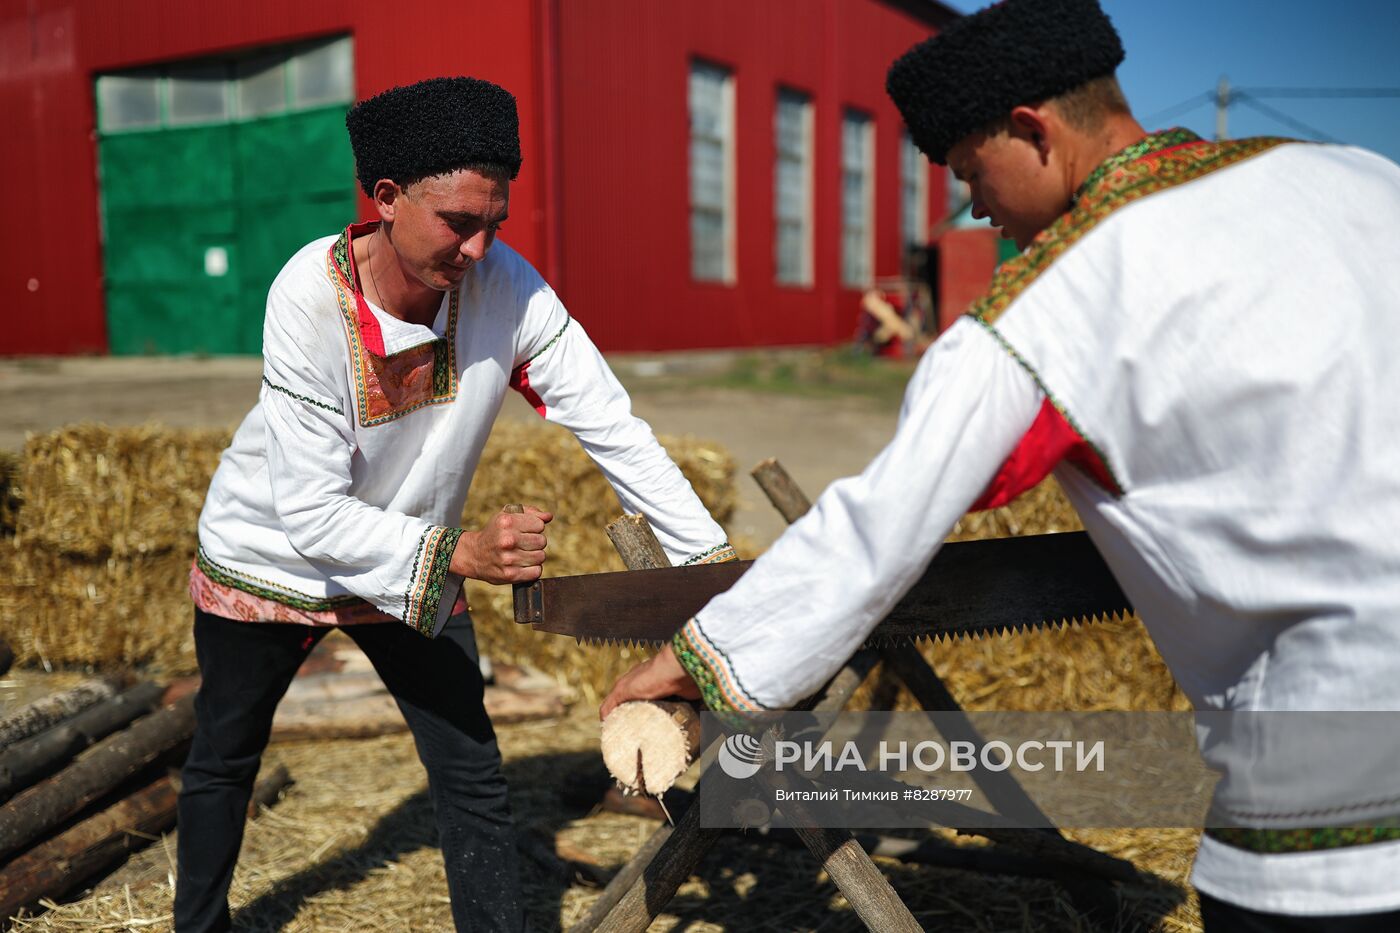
(970, 588)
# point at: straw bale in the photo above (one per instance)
(541, 464)
(96, 574)
(92, 491)
(104, 613)
(9, 492)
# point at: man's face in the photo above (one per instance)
(444, 224)
(1013, 181)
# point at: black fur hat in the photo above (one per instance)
(980, 67)
(435, 126)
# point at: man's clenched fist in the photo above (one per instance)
(510, 549)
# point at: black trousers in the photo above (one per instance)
(246, 668)
(1220, 917)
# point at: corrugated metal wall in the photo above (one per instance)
(601, 203)
(624, 139)
(51, 50)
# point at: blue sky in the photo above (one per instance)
(1179, 50)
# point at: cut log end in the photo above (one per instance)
(647, 746)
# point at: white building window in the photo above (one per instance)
(857, 199)
(129, 101)
(324, 73)
(198, 93)
(262, 85)
(792, 188)
(913, 193)
(711, 173)
(246, 86)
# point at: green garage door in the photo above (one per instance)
(213, 173)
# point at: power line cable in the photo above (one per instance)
(1312, 131)
(1177, 110)
(1297, 93)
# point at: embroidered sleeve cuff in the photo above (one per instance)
(719, 554)
(712, 674)
(430, 582)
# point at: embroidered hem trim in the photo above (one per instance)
(719, 554)
(266, 589)
(301, 398)
(430, 565)
(1303, 840)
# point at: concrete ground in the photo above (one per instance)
(818, 438)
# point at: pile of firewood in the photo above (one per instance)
(85, 781)
(82, 777)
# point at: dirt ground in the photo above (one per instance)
(818, 438)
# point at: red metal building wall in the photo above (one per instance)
(624, 143)
(967, 261)
(50, 51)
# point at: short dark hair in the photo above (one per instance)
(1084, 108)
(1087, 107)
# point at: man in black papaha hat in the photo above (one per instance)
(1199, 340)
(387, 352)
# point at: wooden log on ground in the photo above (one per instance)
(268, 790)
(94, 773)
(38, 756)
(54, 709)
(356, 705)
(648, 745)
(65, 862)
(156, 862)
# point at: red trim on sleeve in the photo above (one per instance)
(1051, 438)
(520, 382)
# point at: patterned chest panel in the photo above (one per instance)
(388, 387)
